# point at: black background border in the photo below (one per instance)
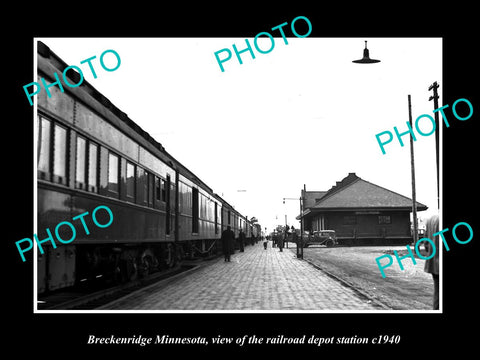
(59, 335)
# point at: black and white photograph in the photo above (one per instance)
(275, 188)
(182, 185)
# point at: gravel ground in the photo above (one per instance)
(410, 289)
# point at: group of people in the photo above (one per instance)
(228, 242)
(278, 241)
(281, 239)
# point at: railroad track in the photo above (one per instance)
(79, 300)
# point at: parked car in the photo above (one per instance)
(321, 237)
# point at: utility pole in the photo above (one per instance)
(302, 224)
(299, 248)
(412, 160)
(286, 232)
(434, 87)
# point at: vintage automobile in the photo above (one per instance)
(321, 237)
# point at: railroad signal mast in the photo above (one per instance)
(435, 97)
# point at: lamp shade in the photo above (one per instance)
(366, 57)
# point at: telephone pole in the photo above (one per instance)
(434, 87)
(414, 197)
(299, 244)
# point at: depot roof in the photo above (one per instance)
(354, 193)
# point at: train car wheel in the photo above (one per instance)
(212, 250)
(127, 265)
(131, 269)
(169, 256)
(180, 253)
(148, 262)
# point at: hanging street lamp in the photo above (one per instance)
(366, 57)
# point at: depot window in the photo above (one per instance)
(384, 219)
(349, 220)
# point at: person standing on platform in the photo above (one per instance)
(431, 265)
(265, 243)
(280, 242)
(241, 240)
(294, 236)
(228, 239)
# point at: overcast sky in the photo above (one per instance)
(301, 114)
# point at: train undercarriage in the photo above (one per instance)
(101, 265)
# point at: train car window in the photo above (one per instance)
(142, 188)
(204, 214)
(43, 148)
(151, 183)
(195, 209)
(80, 163)
(158, 189)
(130, 182)
(168, 220)
(222, 218)
(181, 197)
(163, 192)
(113, 173)
(200, 206)
(92, 167)
(60, 154)
(216, 218)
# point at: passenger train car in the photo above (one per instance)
(89, 153)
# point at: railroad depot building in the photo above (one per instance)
(360, 212)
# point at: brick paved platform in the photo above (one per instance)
(256, 279)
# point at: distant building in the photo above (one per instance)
(360, 212)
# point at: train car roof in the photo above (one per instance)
(144, 137)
